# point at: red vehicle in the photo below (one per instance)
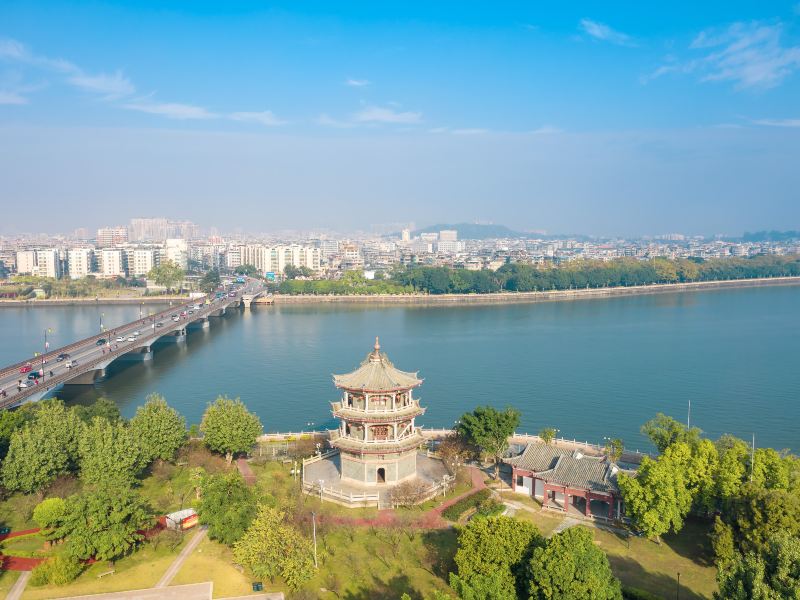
(26, 368)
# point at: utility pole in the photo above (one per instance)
(314, 526)
(689, 415)
(752, 457)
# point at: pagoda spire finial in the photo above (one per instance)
(376, 351)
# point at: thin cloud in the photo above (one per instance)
(378, 114)
(266, 117)
(112, 86)
(749, 55)
(357, 82)
(601, 31)
(777, 122)
(12, 98)
(545, 130)
(170, 110)
(328, 121)
(469, 131)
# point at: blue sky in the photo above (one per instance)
(606, 118)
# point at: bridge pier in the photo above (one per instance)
(201, 323)
(139, 354)
(177, 336)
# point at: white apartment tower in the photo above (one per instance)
(80, 262)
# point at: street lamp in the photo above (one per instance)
(46, 347)
(102, 327)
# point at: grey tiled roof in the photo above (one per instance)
(377, 374)
(570, 469)
(536, 457)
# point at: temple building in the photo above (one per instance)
(569, 481)
(377, 436)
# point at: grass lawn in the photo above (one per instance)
(28, 545)
(7, 581)
(212, 561)
(545, 521)
(16, 511)
(140, 570)
(654, 568)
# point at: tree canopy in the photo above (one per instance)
(271, 547)
(158, 429)
(229, 428)
(571, 566)
(210, 281)
(772, 574)
(489, 429)
(108, 453)
(168, 274)
(43, 448)
(103, 523)
(227, 505)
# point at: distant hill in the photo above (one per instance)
(770, 236)
(473, 231)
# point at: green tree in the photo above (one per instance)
(733, 458)
(103, 523)
(548, 434)
(757, 515)
(489, 429)
(657, 498)
(43, 449)
(158, 429)
(614, 449)
(770, 470)
(499, 585)
(701, 475)
(10, 421)
(571, 566)
(722, 542)
(227, 505)
(210, 281)
(109, 454)
(229, 428)
(167, 274)
(102, 407)
(271, 548)
(248, 270)
(293, 272)
(48, 514)
(770, 575)
(58, 570)
(664, 431)
(491, 552)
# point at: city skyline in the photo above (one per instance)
(625, 120)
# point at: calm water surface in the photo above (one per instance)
(589, 368)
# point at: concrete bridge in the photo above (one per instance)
(88, 358)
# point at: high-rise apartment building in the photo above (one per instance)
(448, 235)
(80, 262)
(112, 262)
(148, 230)
(142, 260)
(176, 250)
(41, 263)
(108, 237)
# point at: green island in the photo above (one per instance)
(705, 518)
(518, 277)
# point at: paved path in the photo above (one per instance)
(19, 586)
(176, 565)
(190, 591)
(246, 471)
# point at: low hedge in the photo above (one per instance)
(452, 513)
(632, 593)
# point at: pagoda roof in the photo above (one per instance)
(377, 374)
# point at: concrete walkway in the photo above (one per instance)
(246, 471)
(19, 586)
(176, 565)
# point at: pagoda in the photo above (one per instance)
(377, 438)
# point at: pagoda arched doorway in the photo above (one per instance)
(381, 475)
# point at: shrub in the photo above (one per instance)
(453, 512)
(59, 570)
(490, 507)
(632, 593)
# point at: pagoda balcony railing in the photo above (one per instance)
(354, 414)
(414, 404)
(407, 441)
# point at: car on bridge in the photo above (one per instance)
(120, 339)
(131, 339)
(101, 341)
(159, 324)
(62, 357)
(72, 363)
(26, 368)
(33, 375)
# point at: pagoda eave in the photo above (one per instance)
(359, 390)
(387, 417)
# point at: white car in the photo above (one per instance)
(137, 333)
(131, 339)
(120, 339)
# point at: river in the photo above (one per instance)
(590, 368)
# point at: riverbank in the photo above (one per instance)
(94, 301)
(527, 297)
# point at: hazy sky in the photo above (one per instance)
(598, 118)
